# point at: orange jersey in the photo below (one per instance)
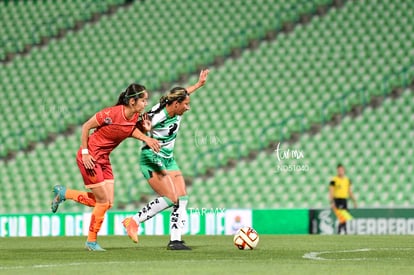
(113, 129)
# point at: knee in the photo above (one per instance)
(107, 205)
(110, 203)
(103, 206)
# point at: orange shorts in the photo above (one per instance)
(96, 177)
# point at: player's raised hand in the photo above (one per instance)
(146, 123)
(201, 81)
(203, 77)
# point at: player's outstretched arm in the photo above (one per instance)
(151, 142)
(200, 83)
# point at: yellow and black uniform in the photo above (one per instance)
(341, 191)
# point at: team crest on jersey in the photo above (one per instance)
(108, 120)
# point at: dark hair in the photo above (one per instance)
(178, 94)
(339, 165)
(134, 91)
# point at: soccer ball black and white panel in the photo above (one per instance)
(246, 238)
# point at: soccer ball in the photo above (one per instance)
(246, 238)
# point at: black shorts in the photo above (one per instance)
(341, 203)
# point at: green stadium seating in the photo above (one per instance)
(27, 22)
(376, 149)
(329, 83)
(89, 67)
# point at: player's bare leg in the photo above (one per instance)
(163, 186)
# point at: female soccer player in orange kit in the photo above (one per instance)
(112, 125)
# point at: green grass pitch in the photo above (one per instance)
(275, 254)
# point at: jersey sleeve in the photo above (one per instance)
(103, 117)
(332, 183)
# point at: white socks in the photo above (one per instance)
(178, 218)
(152, 208)
(175, 230)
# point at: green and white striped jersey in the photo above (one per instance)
(164, 129)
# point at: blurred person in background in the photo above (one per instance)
(340, 190)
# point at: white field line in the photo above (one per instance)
(318, 255)
(45, 266)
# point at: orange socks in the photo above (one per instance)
(86, 198)
(98, 213)
(97, 219)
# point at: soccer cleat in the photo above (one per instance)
(131, 228)
(93, 246)
(177, 245)
(59, 192)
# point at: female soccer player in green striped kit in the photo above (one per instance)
(160, 168)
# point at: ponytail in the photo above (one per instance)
(176, 94)
(163, 103)
(121, 98)
(134, 91)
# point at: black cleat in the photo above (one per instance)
(177, 245)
